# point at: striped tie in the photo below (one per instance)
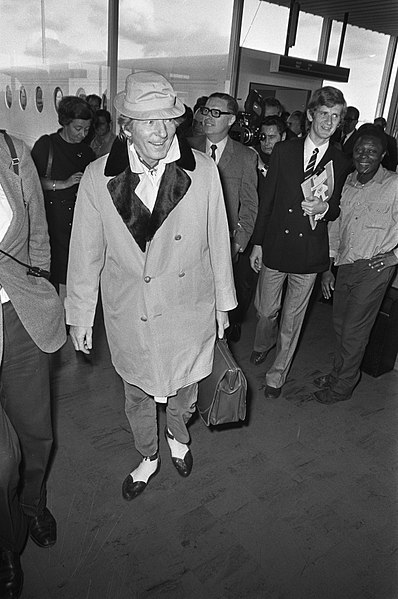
(213, 149)
(309, 171)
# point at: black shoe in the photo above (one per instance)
(182, 465)
(324, 381)
(233, 332)
(258, 357)
(11, 575)
(329, 397)
(272, 392)
(43, 529)
(131, 488)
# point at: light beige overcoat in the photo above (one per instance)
(159, 304)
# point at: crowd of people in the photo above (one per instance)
(178, 227)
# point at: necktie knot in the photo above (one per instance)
(309, 169)
(213, 149)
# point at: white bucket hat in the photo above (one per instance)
(148, 95)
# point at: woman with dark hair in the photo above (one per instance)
(104, 136)
(60, 159)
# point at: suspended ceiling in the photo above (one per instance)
(376, 15)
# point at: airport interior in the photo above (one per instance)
(299, 500)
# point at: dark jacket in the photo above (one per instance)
(284, 232)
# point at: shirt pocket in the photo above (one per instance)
(378, 216)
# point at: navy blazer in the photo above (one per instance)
(284, 232)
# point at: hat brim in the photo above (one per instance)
(161, 114)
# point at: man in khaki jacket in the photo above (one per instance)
(151, 227)
(31, 327)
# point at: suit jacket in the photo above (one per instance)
(348, 146)
(238, 174)
(163, 273)
(284, 232)
(390, 160)
(34, 299)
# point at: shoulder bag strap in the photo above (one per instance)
(13, 152)
(50, 158)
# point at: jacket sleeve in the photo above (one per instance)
(86, 255)
(39, 245)
(266, 194)
(248, 200)
(219, 244)
(342, 168)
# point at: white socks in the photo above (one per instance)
(178, 450)
(144, 470)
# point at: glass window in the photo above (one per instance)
(188, 45)
(23, 100)
(39, 99)
(8, 96)
(54, 45)
(58, 95)
(308, 37)
(364, 53)
(264, 26)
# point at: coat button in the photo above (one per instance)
(300, 234)
(147, 279)
(144, 318)
(286, 231)
(182, 274)
(290, 209)
(177, 237)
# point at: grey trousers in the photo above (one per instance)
(141, 412)
(357, 299)
(268, 301)
(26, 435)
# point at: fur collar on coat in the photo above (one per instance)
(174, 184)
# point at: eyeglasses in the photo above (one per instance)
(215, 113)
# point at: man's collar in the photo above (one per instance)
(118, 159)
(139, 166)
(378, 177)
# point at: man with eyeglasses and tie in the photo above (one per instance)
(350, 132)
(237, 165)
(286, 245)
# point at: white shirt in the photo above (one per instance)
(220, 147)
(148, 187)
(6, 215)
(309, 147)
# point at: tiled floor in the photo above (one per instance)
(298, 503)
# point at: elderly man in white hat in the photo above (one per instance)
(150, 226)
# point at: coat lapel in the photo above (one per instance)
(226, 155)
(174, 184)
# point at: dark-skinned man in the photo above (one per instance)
(364, 245)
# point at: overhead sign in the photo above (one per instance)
(310, 68)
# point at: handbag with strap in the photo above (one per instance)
(222, 394)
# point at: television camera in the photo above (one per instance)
(248, 122)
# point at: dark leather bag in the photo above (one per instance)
(222, 395)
